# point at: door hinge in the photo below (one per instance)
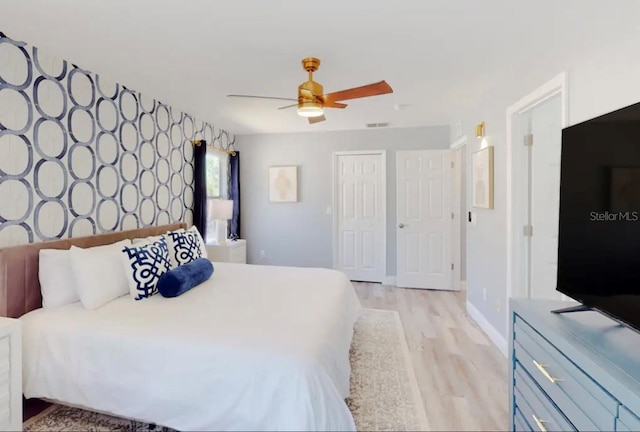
(528, 140)
(451, 164)
(452, 266)
(527, 230)
(452, 217)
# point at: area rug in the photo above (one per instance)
(384, 390)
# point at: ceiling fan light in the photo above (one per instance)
(310, 109)
(310, 112)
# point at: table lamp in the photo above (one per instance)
(221, 210)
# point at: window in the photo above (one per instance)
(216, 165)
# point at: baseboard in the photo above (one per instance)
(389, 280)
(493, 334)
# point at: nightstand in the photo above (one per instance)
(232, 251)
(10, 374)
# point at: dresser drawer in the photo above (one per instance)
(10, 373)
(535, 406)
(627, 421)
(238, 255)
(231, 251)
(5, 346)
(519, 422)
(622, 427)
(5, 412)
(587, 405)
(5, 367)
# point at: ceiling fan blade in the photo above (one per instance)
(374, 89)
(260, 97)
(289, 106)
(334, 105)
(318, 119)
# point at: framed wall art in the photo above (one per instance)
(283, 184)
(482, 178)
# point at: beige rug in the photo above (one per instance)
(384, 391)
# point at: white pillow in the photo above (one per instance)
(144, 263)
(185, 246)
(203, 246)
(99, 274)
(57, 284)
(201, 242)
(145, 240)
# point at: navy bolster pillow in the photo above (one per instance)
(182, 279)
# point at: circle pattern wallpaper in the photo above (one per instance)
(83, 155)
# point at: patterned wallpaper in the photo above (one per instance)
(80, 154)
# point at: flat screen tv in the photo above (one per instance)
(599, 232)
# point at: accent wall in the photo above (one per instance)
(81, 154)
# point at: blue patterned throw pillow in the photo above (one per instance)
(184, 247)
(144, 264)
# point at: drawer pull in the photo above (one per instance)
(539, 422)
(544, 372)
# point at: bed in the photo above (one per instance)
(253, 348)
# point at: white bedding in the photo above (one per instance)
(253, 348)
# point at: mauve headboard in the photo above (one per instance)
(19, 284)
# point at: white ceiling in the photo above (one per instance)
(440, 56)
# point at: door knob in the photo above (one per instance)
(401, 225)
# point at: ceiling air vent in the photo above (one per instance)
(377, 125)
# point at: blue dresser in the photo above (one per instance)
(576, 371)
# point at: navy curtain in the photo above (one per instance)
(200, 188)
(234, 194)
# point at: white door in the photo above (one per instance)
(458, 218)
(544, 197)
(424, 219)
(360, 215)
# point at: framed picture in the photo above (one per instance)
(482, 178)
(283, 184)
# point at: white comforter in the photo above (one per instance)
(253, 348)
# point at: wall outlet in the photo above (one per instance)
(484, 294)
(498, 305)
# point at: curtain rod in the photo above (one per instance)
(199, 142)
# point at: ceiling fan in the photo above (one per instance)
(311, 97)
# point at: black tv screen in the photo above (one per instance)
(599, 232)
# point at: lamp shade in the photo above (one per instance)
(221, 209)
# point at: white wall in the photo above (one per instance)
(300, 234)
(604, 74)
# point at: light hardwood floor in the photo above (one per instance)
(462, 376)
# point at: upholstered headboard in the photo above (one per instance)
(19, 284)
